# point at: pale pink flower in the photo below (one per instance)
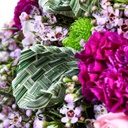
(38, 123)
(6, 123)
(27, 27)
(71, 113)
(16, 53)
(28, 40)
(12, 46)
(112, 120)
(58, 34)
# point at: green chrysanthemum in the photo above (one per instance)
(80, 29)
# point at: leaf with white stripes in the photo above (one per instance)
(38, 83)
(70, 8)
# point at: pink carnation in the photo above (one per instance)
(104, 70)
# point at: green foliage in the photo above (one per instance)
(80, 29)
(70, 8)
(121, 1)
(40, 70)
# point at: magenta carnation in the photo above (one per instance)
(104, 70)
(23, 6)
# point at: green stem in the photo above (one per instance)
(55, 114)
(6, 94)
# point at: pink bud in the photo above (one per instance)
(69, 98)
(29, 113)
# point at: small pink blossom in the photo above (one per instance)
(15, 120)
(71, 114)
(38, 123)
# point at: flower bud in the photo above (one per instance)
(116, 5)
(3, 77)
(123, 5)
(75, 78)
(82, 42)
(27, 125)
(9, 66)
(2, 71)
(86, 14)
(68, 125)
(82, 118)
(29, 113)
(93, 22)
(14, 106)
(108, 3)
(66, 79)
(69, 90)
(69, 98)
(94, 8)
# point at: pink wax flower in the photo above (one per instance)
(112, 120)
(104, 69)
(71, 113)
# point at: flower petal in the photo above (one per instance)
(65, 119)
(74, 120)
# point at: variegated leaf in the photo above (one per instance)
(70, 8)
(38, 83)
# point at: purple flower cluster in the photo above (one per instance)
(104, 70)
(41, 28)
(113, 18)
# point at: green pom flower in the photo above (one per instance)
(80, 29)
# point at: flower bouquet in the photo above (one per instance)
(64, 64)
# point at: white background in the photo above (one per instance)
(7, 11)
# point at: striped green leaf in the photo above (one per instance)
(38, 83)
(70, 8)
(57, 6)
